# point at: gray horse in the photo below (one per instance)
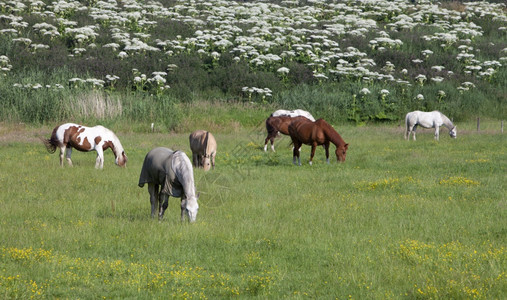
(169, 173)
(204, 149)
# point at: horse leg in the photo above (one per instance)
(437, 132)
(153, 190)
(99, 162)
(68, 153)
(326, 147)
(183, 209)
(314, 146)
(163, 203)
(266, 143)
(198, 161)
(272, 140)
(62, 155)
(296, 153)
(195, 159)
(413, 131)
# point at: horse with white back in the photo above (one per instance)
(293, 113)
(278, 122)
(82, 138)
(434, 119)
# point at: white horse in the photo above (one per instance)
(433, 119)
(169, 173)
(293, 113)
(82, 138)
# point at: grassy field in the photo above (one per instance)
(398, 219)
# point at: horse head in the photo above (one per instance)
(121, 160)
(190, 207)
(341, 152)
(206, 161)
(453, 133)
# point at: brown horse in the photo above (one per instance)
(314, 134)
(274, 125)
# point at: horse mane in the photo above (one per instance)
(206, 137)
(333, 135)
(117, 146)
(185, 178)
(447, 122)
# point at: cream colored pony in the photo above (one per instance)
(204, 149)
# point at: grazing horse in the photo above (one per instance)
(169, 173)
(275, 125)
(314, 134)
(293, 113)
(204, 149)
(433, 119)
(82, 138)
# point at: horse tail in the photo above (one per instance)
(406, 126)
(50, 144)
(269, 127)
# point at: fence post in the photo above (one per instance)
(478, 123)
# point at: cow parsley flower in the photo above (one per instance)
(438, 68)
(421, 79)
(365, 91)
(283, 70)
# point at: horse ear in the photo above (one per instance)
(346, 146)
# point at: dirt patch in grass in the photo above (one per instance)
(20, 132)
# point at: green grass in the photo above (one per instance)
(398, 219)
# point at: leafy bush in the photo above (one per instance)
(178, 52)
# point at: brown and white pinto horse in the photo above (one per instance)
(314, 134)
(274, 125)
(82, 138)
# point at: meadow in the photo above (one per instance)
(398, 220)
